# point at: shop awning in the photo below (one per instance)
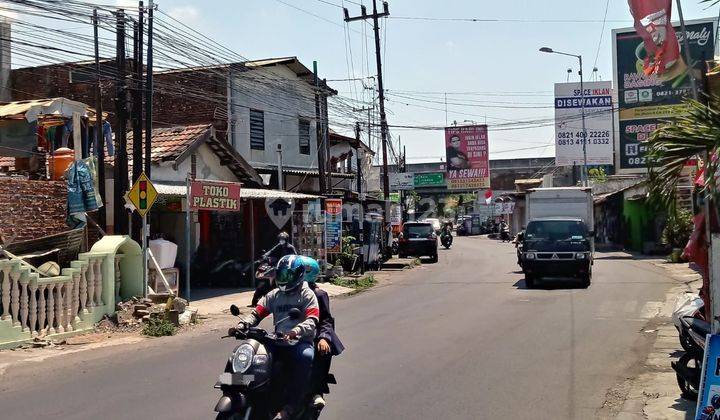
(302, 172)
(181, 191)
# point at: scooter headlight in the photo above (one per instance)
(242, 358)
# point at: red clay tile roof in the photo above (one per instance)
(168, 143)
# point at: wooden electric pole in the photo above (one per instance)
(137, 146)
(319, 134)
(99, 137)
(149, 92)
(383, 118)
(120, 172)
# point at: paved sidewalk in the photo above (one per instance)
(654, 394)
(217, 301)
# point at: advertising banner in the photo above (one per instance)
(333, 225)
(651, 85)
(598, 123)
(402, 181)
(429, 179)
(709, 393)
(214, 195)
(468, 166)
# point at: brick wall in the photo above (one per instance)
(180, 98)
(186, 98)
(31, 209)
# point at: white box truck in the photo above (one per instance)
(558, 238)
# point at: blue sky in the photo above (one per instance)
(497, 58)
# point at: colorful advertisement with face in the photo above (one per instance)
(650, 92)
(466, 150)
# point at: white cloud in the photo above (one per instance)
(449, 44)
(185, 14)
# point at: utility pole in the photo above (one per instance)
(359, 162)
(319, 134)
(120, 172)
(326, 139)
(137, 145)
(149, 92)
(383, 118)
(137, 226)
(99, 138)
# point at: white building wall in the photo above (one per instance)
(284, 99)
(208, 167)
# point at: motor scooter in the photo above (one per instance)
(264, 279)
(446, 239)
(688, 369)
(252, 382)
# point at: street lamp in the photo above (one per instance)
(584, 172)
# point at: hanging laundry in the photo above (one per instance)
(92, 163)
(81, 193)
(107, 138)
(67, 130)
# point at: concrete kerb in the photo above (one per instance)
(654, 394)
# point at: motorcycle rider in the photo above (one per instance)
(446, 232)
(283, 248)
(291, 292)
(327, 342)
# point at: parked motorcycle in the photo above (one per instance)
(690, 304)
(252, 383)
(264, 279)
(688, 369)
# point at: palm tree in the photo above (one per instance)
(695, 134)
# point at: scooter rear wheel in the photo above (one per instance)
(688, 386)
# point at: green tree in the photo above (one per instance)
(696, 134)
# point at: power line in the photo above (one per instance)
(602, 34)
(502, 20)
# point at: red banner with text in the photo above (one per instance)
(468, 165)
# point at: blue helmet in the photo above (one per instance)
(312, 268)
(290, 272)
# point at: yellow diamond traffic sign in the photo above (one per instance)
(142, 194)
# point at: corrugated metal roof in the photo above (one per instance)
(30, 110)
(181, 191)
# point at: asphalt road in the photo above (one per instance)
(460, 339)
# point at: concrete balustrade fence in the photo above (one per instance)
(54, 307)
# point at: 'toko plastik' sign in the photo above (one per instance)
(214, 195)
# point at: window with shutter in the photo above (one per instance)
(257, 129)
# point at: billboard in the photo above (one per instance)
(402, 181)
(651, 87)
(333, 225)
(598, 106)
(466, 151)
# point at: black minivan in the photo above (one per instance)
(557, 247)
(418, 239)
